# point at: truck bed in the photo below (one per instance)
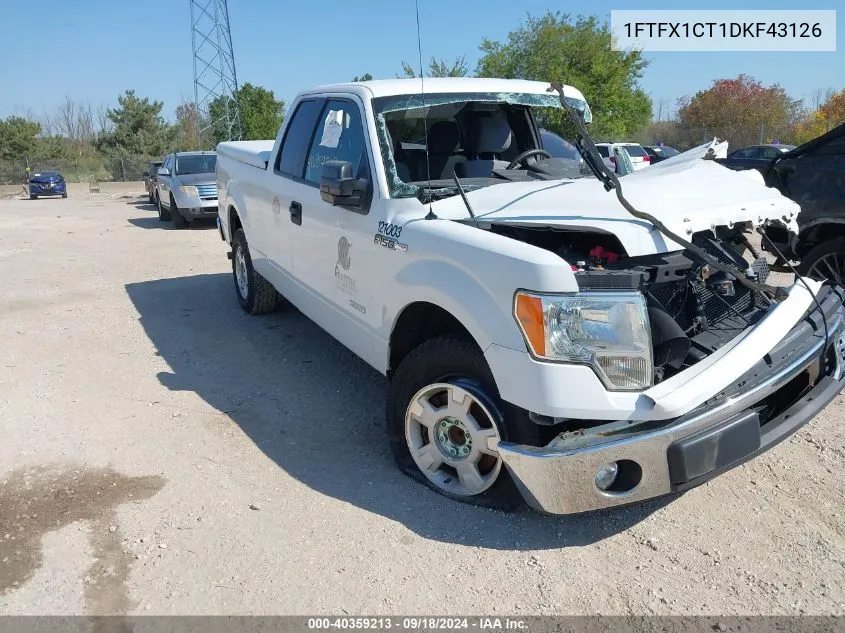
(255, 153)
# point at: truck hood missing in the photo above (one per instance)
(688, 193)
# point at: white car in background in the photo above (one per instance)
(639, 157)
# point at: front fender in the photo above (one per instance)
(450, 288)
(473, 274)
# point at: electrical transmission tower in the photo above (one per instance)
(215, 80)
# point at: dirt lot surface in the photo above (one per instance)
(163, 452)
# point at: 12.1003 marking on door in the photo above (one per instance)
(390, 230)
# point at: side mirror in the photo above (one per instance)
(163, 171)
(338, 186)
(146, 174)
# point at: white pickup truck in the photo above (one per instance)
(542, 343)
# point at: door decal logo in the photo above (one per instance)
(345, 283)
(343, 253)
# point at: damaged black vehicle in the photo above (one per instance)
(813, 175)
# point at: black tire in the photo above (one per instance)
(163, 214)
(176, 217)
(32, 196)
(457, 361)
(64, 195)
(151, 198)
(261, 297)
(833, 254)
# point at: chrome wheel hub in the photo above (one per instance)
(241, 276)
(453, 439)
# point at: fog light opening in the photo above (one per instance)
(619, 477)
(606, 476)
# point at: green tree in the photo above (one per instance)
(139, 128)
(740, 110)
(439, 68)
(189, 125)
(261, 114)
(576, 52)
(364, 77)
(18, 137)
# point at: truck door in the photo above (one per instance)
(273, 221)
(333, 247)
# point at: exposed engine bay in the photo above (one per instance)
(693, 309)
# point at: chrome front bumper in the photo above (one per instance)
(687, 451)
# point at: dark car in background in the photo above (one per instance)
(813, 175)
(46, 183)
(754, 156)
(660, 152)
(150, 177)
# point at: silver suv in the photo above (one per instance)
(187, 187)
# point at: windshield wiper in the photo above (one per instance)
(591, 163)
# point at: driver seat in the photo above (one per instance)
(489, 136)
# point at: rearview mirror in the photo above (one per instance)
(338, 186)
(163, 171)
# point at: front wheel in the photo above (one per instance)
(445, 422)
(255, 294)
(176, 216)
(825, 262)
(163, 214)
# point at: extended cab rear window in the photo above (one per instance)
(291, 159)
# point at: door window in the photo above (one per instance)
(339, 136)
(297, 136)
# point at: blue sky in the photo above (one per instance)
(101, 47)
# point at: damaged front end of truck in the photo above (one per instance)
(733, 365)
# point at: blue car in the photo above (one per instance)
(47, 183)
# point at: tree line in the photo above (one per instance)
(554, 46)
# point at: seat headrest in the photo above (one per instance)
(491, 134)
(443, 137)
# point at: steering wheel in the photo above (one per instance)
(527, 153)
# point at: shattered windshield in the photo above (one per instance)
(425, 139)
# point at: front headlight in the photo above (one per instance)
(607, 330)
(189, 190)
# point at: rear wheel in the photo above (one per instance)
(176, 217)
(255, 294)
(32, 196)
(445, 422)
(64, 195)
(825, 261)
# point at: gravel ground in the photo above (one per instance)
(163, 452)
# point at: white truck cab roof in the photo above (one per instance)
(438, 85)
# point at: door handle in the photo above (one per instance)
(295, 212)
